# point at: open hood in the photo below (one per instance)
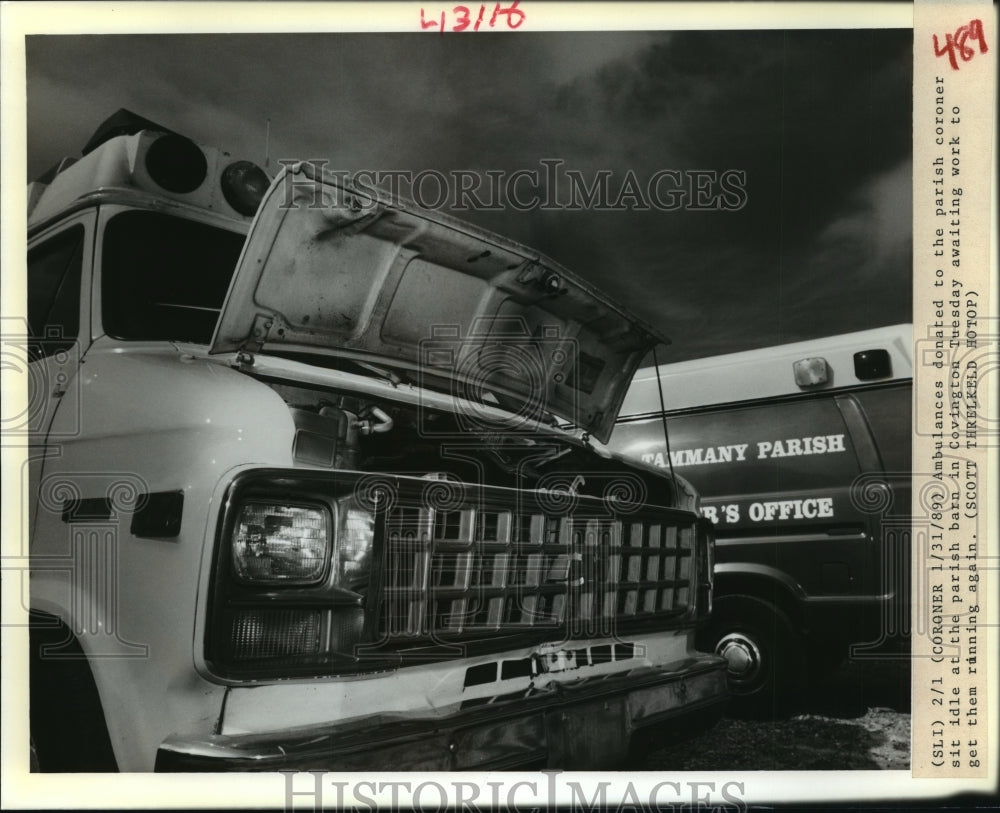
(333, 270)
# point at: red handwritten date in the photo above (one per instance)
(957, 44)
(462, 18)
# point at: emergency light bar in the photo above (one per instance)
(132, 152)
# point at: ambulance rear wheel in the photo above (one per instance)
(764, 653)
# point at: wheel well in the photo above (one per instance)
(764, 588)
(68, 728)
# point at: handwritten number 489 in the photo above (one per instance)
(958, 42)
(463, 18)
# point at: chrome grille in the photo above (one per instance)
(468, 572)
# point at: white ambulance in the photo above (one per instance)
(322, 491)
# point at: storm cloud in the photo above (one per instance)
(819, 122)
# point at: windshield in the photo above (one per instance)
(165, 278)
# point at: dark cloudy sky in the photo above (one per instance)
(819, 121)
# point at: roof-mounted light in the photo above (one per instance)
(243, 185)
(176, 163)
(872, 364)
(811, 372)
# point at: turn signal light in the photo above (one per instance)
(264, 634)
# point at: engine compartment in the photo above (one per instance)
(342, 431)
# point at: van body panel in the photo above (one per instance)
(808, 488)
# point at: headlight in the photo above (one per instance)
(281, 544)
(291, 591)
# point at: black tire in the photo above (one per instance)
(765, 652)
(68, 731)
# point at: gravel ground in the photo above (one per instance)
(859, 718)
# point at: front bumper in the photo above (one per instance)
(581, 725)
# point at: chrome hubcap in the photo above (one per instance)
(742, 657)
